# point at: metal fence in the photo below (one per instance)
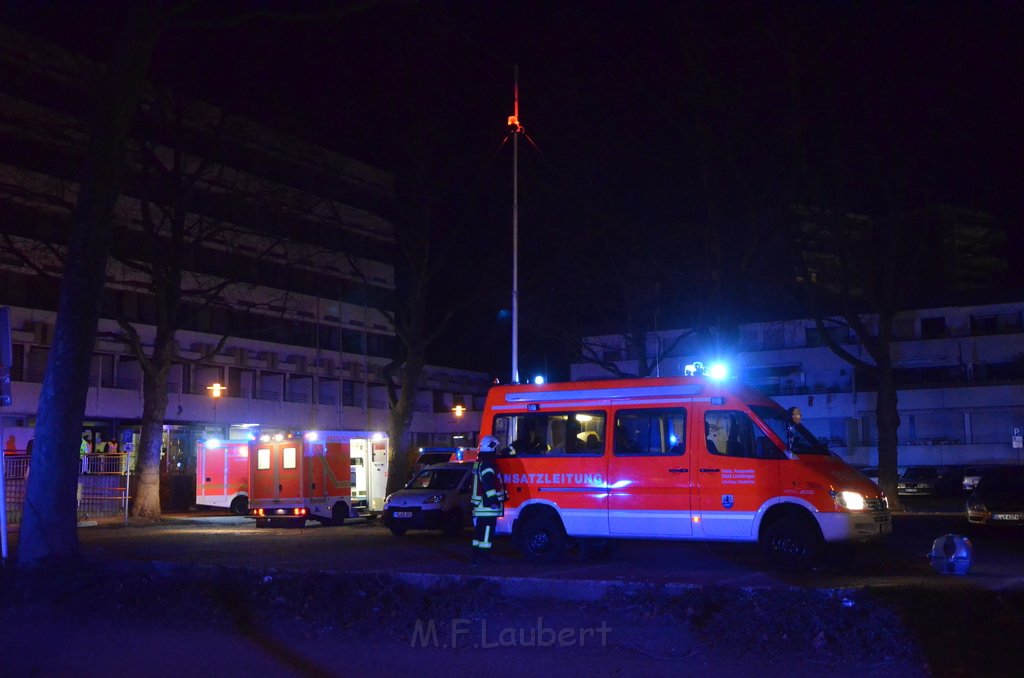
(104, 485)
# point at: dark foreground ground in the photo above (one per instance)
(165, 620)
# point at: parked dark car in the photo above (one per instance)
(998, 498)
(931, 481)
(918, 481)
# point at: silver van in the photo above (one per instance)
(437, 498)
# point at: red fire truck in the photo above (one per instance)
(323, 476)
(222, 474)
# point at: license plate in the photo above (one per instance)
(402, 514)
(1007, 516)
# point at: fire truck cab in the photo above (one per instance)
(322, 476)
(671, 458)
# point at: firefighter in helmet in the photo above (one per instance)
(487, 499)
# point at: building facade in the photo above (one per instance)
(290, 269)
(960, 373)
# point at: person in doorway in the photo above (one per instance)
(487, 500)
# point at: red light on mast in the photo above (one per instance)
(513, 120)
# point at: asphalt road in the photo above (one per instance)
(203, 538)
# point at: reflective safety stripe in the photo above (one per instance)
(492, 493)
(484, 543)
(487, 469)
(484, 512)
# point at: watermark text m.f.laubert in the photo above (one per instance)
(476, 633)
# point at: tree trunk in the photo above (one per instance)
(48, 529)
(154, 409)
(401, 417)
(887, 412)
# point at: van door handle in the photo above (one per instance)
(711, 470)
(678, 470)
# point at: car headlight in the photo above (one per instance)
(387, 499)
(434, 499)
(851, 501)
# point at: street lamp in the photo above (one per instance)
(459, 409)
(216, 390)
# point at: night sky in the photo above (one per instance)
(647, 117)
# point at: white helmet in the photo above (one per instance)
(489, 445)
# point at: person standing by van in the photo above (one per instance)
(486, 500)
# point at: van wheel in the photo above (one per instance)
(338, 513)
(240, 506)
(792, 544)
(541, 538)
(451, 524)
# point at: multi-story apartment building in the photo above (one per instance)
(960, 372)
(301, 233)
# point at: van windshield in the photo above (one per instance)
(429, 458)
(437, 479)
(803, 441)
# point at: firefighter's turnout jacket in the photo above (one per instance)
(486, 499)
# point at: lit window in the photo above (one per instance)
(288, 460)
(262, 459)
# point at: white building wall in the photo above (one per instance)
(968, 419)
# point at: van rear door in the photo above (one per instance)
(276, 475)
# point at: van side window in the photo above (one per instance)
(733, 433)
(650, 432)
(551, 433)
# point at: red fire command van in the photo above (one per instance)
(321, 476)
(671, 458)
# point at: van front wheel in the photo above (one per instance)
(541, 538)
(792, 544)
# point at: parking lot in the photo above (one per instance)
(206, 538)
